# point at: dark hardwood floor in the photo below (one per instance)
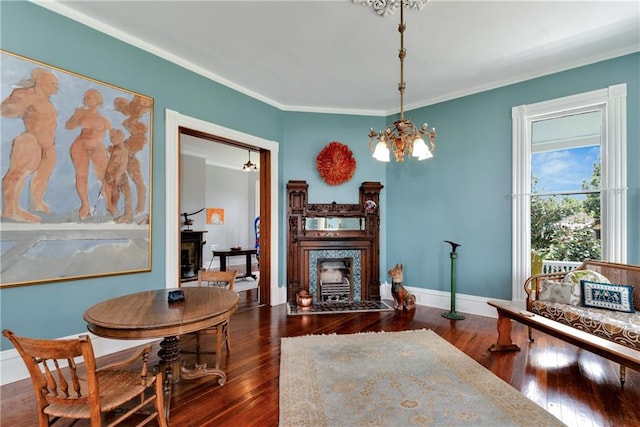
(578, 387)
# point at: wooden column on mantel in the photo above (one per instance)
(301, 241)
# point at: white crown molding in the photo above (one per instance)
(56, 7)
(67, 12)
(518, 79)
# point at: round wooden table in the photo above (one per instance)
(149, 315)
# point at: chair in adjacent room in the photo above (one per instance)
(225, 279)
(68, 384)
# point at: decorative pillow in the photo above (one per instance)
(606, 295)
(556, 292)
(574, 277)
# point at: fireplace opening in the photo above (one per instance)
(335, 279)
(187, 265)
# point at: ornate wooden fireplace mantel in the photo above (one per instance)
(326, 228)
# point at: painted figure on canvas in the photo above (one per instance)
(88, 147)
(73, 215)
(116, 180)
(134, 110)
(33, 151)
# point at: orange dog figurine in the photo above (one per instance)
(404, 300)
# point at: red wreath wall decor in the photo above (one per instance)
(336, 163)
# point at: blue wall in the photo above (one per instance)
(462, 194)
(304, 136)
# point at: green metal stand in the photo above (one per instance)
(453, 255)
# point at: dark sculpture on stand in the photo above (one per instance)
(188, 222)
(453, 255)
(404, 300)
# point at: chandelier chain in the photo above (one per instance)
(403, 138)
(402, 54)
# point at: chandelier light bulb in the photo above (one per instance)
(381, 152)
(420, 149)
(427, 155)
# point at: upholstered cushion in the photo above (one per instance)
(607, 296)
(574, 277)
(557, 292)
(616, 326)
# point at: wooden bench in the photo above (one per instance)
(625, 356)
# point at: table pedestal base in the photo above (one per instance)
(170, 362)
(169, 357)
(201, 370)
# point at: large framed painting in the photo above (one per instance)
(76, 175)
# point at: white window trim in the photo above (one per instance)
(612, 101)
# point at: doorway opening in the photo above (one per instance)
(177, 124)
(220, 204)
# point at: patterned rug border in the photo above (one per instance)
(338, 308)
(394, 378)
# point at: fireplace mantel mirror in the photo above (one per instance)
(334, 223)
(333, 249)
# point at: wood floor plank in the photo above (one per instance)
(580, 388)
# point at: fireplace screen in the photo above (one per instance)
(187, 260)
(334, 279)
(342, 280)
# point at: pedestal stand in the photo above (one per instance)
(452, 314)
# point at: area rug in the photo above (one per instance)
(412, 378)
(338, 307)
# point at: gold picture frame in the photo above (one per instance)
(76, 165)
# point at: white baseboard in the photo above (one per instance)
(279, 297)
(439, 299)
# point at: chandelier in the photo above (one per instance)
(249, 166)
(403, 138)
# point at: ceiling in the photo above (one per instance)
(337, 56)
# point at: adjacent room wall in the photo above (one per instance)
(233, 191)
(210, 186)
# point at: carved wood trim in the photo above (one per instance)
(301, 241)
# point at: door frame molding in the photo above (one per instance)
(174, 121)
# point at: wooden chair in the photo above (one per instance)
(214, 278)
(64, 389)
